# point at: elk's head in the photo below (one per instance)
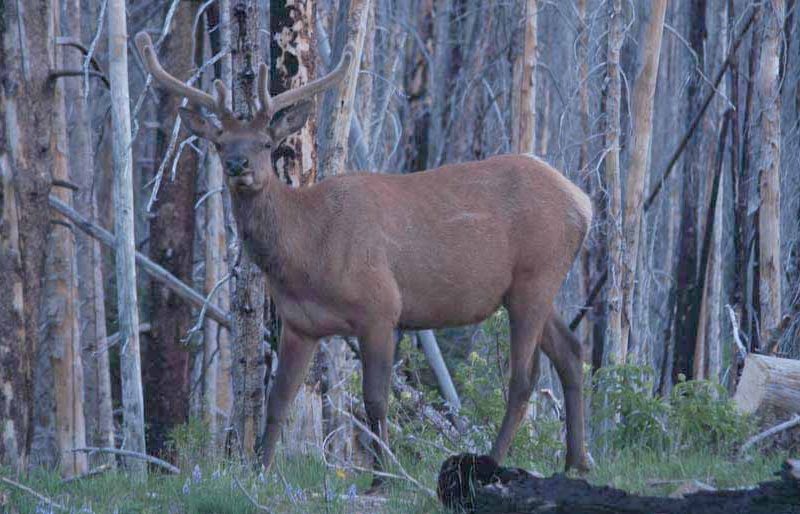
(244, 146)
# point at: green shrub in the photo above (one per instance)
(702, 417)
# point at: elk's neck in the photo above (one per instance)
(273, 227)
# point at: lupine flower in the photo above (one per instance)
(186, 490)
(197, 475)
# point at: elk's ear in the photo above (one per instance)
(291, 121)
(199, 125)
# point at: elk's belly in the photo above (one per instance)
(443, 303)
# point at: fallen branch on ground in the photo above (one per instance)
(136, 455)
(777, 429)
(257, 505)
(38, 496)
(89, 474)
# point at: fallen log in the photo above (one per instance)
(769, 385)
(475, 484)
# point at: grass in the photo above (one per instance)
(305, 484)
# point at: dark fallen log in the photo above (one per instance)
(475, 484)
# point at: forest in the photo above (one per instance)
(358, 255)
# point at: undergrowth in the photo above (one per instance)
(640, 442)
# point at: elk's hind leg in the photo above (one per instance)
(529, 304)
(564, 350)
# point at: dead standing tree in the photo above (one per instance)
(249, 367)
(128, 309)
(26, 161)
(165, 356)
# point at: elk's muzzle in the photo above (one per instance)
(236, 166)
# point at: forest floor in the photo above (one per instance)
(305, 485)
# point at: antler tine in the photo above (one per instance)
(263, 90)
(197, 96)
(293, 96)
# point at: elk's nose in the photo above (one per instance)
(236, 165)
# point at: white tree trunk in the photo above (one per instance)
(769, 165)
(614, 353)
(128, 311)
(333, 156)
(643, 99)
(523, 125)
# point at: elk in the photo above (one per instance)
(361, 254)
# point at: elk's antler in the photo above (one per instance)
(270, 105)
(169, 82)
(218, 105)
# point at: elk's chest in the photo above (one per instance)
(310, 314)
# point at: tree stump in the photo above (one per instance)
(769, 385)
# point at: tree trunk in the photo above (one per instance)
(58, 376)
(26, 160)
(523, 123)
(335, 132)
(165, 357)
(91, 296)
(644, 93)
(249, 368)
(769, 166)
(128, 310)
(688, 288)
(217, 262)
(614, 351)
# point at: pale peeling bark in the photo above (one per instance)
(768, 166)
(13, 408)
(643, 99)
(333, 156)
(224, 401)
(128, 310)
(247, 351)
(91, 297)
(26, 160)
(58, 379)
(614, 351)
(216, 340)
(293, 51)
(523, 124)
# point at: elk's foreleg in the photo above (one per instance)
(377, 353)
(294, 357)
(564, 350)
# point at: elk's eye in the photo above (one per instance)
(268, 145)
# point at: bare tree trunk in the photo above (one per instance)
(709, 332)
(128, 309)
(643, 98)
(614, 351)
(523, 124)
(58, 376)
(688, 288)
(26, 159)
(334, 141)
(219, 263)
(769, 166)
(165, 357)
(91, 296)
(247, 353)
